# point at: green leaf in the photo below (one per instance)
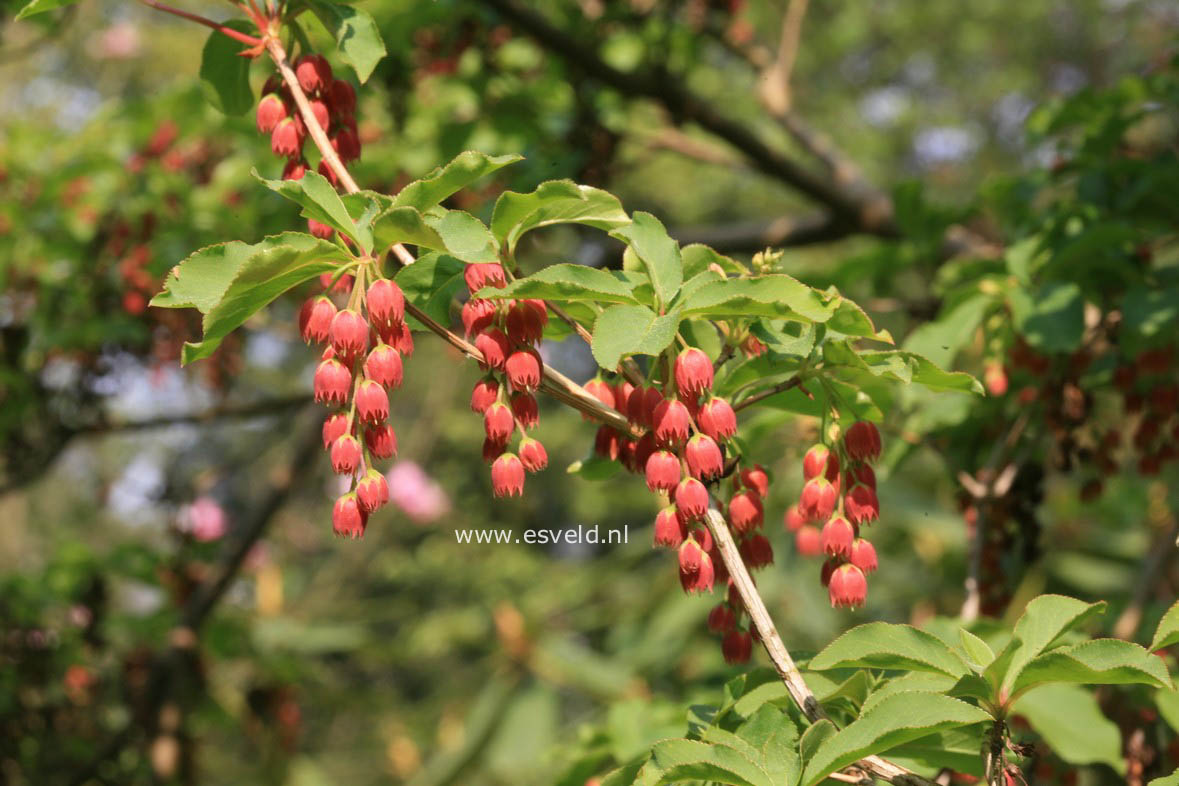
(927, 682)
(631, 330)
(882, 645)
(431, 283)
(202, 278)
(1166, 780)
(356, 34)
(1148, 312)
(465, 236)
(404, 225)
(659, 254)
(902, 366)
(956, 749)
(978, 654)
(554, 202)
(594, 468)
(942, 339)
(273, 267)
(41, 6)
(775, 738)
(1071, 722)
(1098, 662)
(775, 295)
(1167, 632)
(814, 737)
(321, 203)
(1045, 619)
(1051, 317)
(463, 169)
(567, 282)
(1167, 702)
(675, 761)
(225, 74)
(698, 257)
(895, 720)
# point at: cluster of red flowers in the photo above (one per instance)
(333, 103)
(506, 334)
(681, 453)
(831, 509)
(361, 364)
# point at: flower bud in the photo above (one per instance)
(863, 555)
(601, 391)
(838, 535)
(319, 320)
(717, 419)
(333, 382)
(294, 169)
(693, 372)
(507, 476)
(334, 427)
(808, 540)
(737, 647)
(662, 471)
(704, 458)
(498, 422)
(533, 455)
(349, 333)
(862, 441)
(794, 520)
(381, 441)
(756, 480)
(861, 505)
(745, 511)
(287, 138)
(313, 72)
(691, 498)
(696, 573)
(721, 619)
(383, 366)
(479, 275)
(493, 449)
(348, 520)
(345, 455)
(343, 97)
(478, 315)
(847, 588)
(494, 346)
(814, 463)
(757, 552)
(606, 443)
(669, 528)
(671, 422)
(486, 393)
(372, 491)
(818, 499)
(523, 368)
(385, 302)
(271, 110)
(372, 402)
(525, 409)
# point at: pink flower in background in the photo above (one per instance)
(416, 493)
(204, 519)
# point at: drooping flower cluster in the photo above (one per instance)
(681, 453)
(333, 103)
(506, 333)
(833, 506)
(360, 366)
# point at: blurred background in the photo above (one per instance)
(135, 495)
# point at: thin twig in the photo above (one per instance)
(236, 35)
(775, 86)
(781, 387)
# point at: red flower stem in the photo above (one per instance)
(236, 35)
